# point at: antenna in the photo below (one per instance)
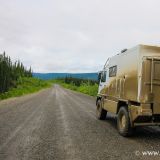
(106, 64)
(124, 50)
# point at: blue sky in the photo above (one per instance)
(75, 35)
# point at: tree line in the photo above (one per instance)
(10, 72)
(79, 81)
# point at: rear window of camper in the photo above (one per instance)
(112, 71)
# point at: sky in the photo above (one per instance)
(75, 36)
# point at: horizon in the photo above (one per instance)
(93, 76)
(65, 72)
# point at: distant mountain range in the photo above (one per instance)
(47, 76)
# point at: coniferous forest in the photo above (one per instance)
(10, 72)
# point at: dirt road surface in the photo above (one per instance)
(59, 124)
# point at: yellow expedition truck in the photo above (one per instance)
(129, 86)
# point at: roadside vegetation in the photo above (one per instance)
(26, 85)
(11, 72)
(86, 86)
(16, 80)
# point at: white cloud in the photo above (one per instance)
(75, 36)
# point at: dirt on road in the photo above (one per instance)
(59, 124)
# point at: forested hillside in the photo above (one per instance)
(11, 72)
(47, 76)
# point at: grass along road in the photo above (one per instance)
(26, 85)
(84, 87)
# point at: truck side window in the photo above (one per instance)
(103, 77)
(112, 71)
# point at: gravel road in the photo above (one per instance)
(59, 124)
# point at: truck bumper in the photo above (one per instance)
(143, 115)
(146, 124)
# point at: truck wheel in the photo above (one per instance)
(123, 122)
(100, 112)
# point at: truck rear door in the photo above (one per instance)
(151, 82)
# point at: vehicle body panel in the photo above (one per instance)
(136, 82)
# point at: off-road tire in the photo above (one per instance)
(100, 112)
(123, 122)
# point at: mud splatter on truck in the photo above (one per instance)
(129, 86)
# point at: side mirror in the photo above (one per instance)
(99, 76)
